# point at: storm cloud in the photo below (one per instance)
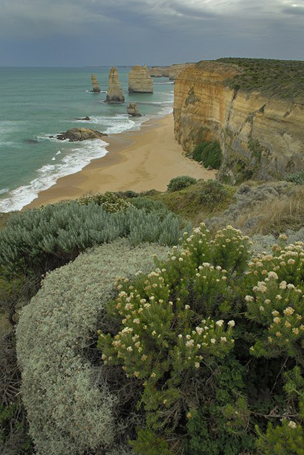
(94, 32)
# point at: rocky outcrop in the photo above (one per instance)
(140, 80)
(169, 71)
(95, 84)
(114, 94)
(261, 137)
(159, 71)
(80, 134)
(132, 110)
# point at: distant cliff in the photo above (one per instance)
(261, 133)
(168, 71)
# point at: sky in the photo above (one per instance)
(153, 32)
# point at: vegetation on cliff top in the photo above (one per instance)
(273, 78)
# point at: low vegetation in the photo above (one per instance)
(215, 343)
(203, 355)
(68, 412)
(273, 78)
(178, 183)
(209, 153)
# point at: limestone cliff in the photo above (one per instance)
(159, 71)
(140, 80)
(261, 137)
(114, 94)
(95, 84)
(169, 71)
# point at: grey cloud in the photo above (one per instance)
(294, 10)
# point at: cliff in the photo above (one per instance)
(115, 94)
(169, 71)
(261, 135)
(140, 80)
(159, 71)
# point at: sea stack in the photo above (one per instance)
(140, 80)
(114, 94)
(95, 84)
(132, 110)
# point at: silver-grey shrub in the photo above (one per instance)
(39, 240)
(68, 413)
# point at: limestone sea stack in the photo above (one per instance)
(95, 84)
(140, 80)
(115, 94)
(132, 110)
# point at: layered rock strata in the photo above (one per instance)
(95, 84)
(140, 80)
(132, 110)
(260, 137)
(114, 94)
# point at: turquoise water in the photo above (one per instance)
(39, 102)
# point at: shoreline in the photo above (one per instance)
(136, 160)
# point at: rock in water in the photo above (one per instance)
(132, 110)
(95, 84)
(115, 94)
(140, 80)
(80, 134)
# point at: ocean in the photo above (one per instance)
(40, 102)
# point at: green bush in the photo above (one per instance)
(287, 439)
(39, 240)
(67, 411)
(178, 183)
(215, 341)
(297, 177)
(209, 153)
(213, 192)
(150, 205)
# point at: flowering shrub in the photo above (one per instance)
(175, 323)
(215, 340)
(110, 202)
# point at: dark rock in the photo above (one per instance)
(132, 110)
(80, 134)
(84, 118)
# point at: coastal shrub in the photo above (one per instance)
(70, 405)
(213, 192)
(297, 177)
(214, 339)
(175, 324)
(151, 205)
(178, 183)
(209, 153)
(39, 240)
(282, 79)
(110, 202)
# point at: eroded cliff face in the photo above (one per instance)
(140, 80)
(260, 137)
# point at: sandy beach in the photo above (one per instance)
(136, 160)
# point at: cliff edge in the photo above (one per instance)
(260, 127)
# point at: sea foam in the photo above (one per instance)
(48, 174)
